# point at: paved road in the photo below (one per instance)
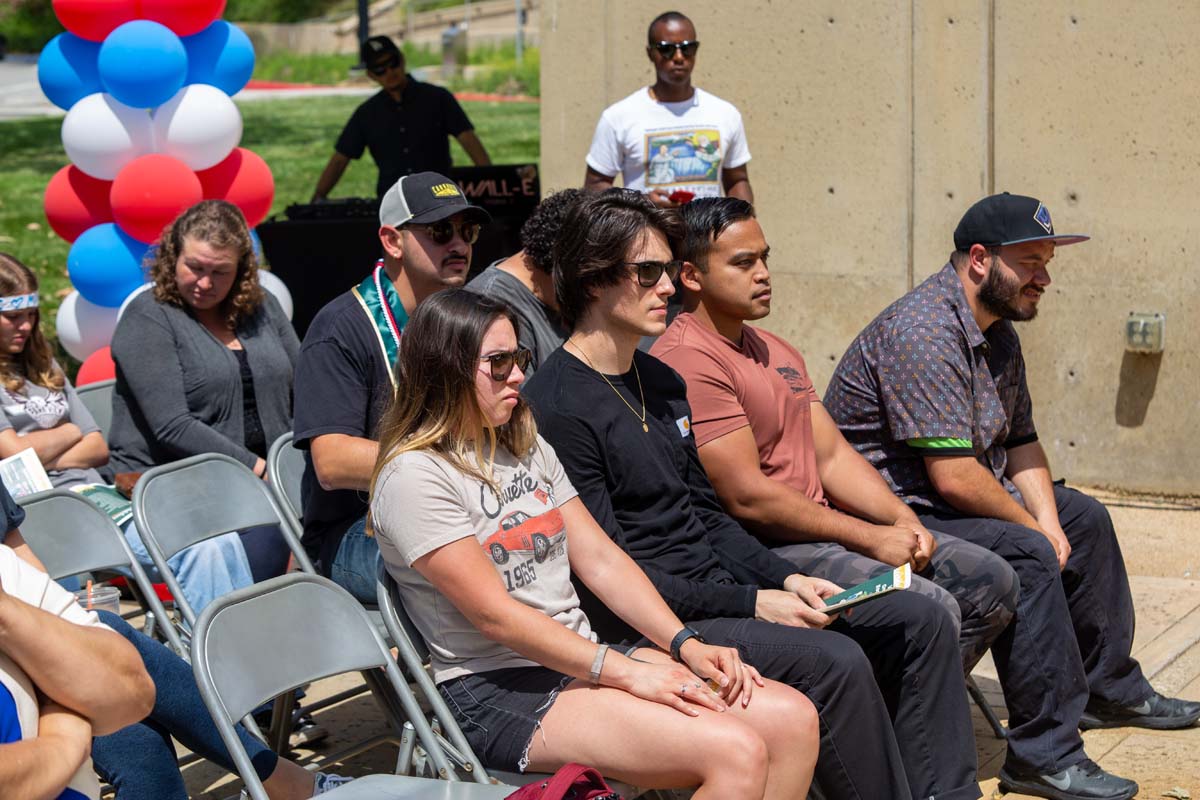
(20, 95)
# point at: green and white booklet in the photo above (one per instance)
(897, 579)
(108, 500)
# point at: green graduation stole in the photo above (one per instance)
(380, 302)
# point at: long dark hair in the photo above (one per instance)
(36, 362)
(218, 224)
(437, 408)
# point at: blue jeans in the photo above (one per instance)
(354, 567)
(139, 760)
(205, 570)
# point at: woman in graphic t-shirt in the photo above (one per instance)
(481, 529)
(41, 411)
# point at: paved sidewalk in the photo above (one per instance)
(1160, 541)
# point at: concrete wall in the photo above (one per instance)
(875, 124)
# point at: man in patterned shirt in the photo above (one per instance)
(933, 394)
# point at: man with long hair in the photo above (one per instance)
(345, 376)
(619, 421)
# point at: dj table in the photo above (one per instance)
(322, 249)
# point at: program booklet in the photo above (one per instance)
(108, 500)
(23, 474)
(897, 579)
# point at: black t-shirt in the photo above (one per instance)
(342, 386)
(648, 490)
(14, 515)
(406, 136)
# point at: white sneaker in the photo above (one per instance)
(326, 782)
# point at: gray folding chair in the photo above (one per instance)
(257, 642)
(98, 399)
(285, 465)
(70, 536)
(413, 655)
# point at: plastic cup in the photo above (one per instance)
(104, 598)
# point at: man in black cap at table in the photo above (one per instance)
(933, 393)
(345, 375)
(404, 126)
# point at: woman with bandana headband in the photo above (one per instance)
(40, 410)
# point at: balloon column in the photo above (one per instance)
(150, 130)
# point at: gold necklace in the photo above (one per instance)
(621, 397)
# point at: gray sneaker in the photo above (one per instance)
(1082, 781)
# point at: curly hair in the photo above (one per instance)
(541, 230)
(36, 362)
(220, 225)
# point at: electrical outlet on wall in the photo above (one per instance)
(1145, 332)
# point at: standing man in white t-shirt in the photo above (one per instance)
(671, 137)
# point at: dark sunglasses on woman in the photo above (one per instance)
(502, 363)
(443, 231)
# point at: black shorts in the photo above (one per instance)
(499, 711)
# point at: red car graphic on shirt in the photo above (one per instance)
(521, 533)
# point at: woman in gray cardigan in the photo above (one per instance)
(205, 360)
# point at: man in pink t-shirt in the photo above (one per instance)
(777, 460)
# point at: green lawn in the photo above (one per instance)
(294, 136)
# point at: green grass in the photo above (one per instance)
(294, 136)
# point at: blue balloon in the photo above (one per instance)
(67, 69)
(142, 64)
(105, 264)
(221, 55)
(256, 244)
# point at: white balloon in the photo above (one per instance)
(200, 126)
(101, 135)
(83, 327)
(125, 303)
(272, 283)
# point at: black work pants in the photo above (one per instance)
(1072, 633)
(887, 674)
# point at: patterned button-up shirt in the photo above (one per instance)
(923, 370)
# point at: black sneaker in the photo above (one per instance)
(306, 732)
(1082, 781)
(1160, 713)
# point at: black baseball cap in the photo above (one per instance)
(425, 197)
(376, 47)
(1009, 219)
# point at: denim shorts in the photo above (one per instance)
(500, 711)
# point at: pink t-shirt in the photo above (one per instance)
(763, 384)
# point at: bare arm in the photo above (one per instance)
(48, 444)
(475, 149)
(1030, 473)
(595, 182)
(41, 767)
(88, 452)
(90, 670)
(781, 512)
(330, 176)
(342, 461)
(16, 541)
(736, 181)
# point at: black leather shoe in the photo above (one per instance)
(1082, 781)
(1160, 713)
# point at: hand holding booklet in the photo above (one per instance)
(897, 579)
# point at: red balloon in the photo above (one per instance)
(243, 179)
(97, 367)
(94, 19)
(75, 201)
(150, 192)
(184, 17)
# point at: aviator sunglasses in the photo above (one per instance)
(443, 231)
(502, 363)
(649, 272)
(667, 49)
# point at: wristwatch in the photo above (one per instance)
(681, 637)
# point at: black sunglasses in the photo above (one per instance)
(667, 49)
(502, 363)
(382, 68)
(649, 272)
(443, 231)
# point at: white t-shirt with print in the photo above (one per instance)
(422, 503)
(18, 699)
(669, 146)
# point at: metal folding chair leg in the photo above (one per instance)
(977, 695)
